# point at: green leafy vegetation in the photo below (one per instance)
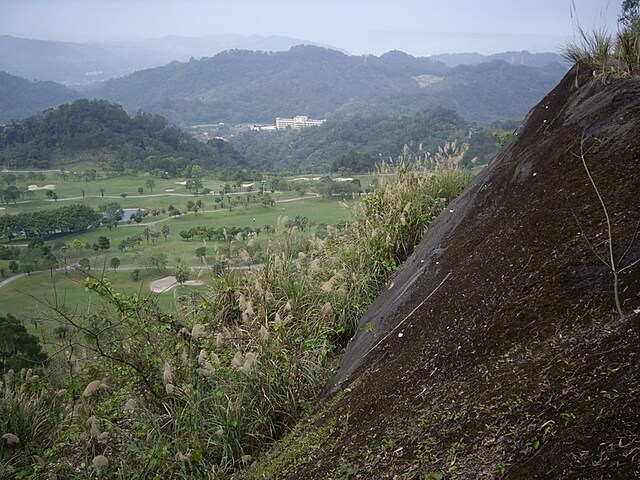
(247, 355)
(350, 146)
(44, 223)
(18, 349)
(103, 133)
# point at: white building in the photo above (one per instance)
(297, 122)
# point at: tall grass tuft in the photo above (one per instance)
(29, 412)
(606, 55)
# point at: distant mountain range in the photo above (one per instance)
(514, 58)
(78, 64)
(20, 98)
(244, 86)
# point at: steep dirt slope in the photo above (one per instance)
(497, 352)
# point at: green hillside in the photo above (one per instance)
(238, 86)
(351, 145)
(20, 98)
(103, 133)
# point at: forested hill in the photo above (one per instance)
(20, 98)
(351, 145)
(241, 86)
(102, 132)
(78, 63)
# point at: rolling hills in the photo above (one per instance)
(239, 86)
(83, 63)
(20, 98)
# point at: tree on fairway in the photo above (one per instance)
(181, 272)
(201, 252)
(104, 243)
(115, 262)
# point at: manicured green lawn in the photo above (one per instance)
(95, 192)
(317, 210)
(33, 299)
(29, 297)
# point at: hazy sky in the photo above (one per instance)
(419, 27)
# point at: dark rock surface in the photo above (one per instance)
(497, 351)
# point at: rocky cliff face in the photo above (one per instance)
(497, 351)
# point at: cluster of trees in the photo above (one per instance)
(11, 193)
(221, 234)
(43, 223)
(151, 259)
(130, 243)
(143, 141)
(111, 213)
(148, 235)
(40, 256)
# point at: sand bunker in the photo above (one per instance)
(31, 188)
(169, 189)
(167, 283)
(181, 183)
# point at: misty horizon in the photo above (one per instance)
(357, 27)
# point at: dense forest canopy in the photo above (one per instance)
(239, 86)
(102, 132)
(352, 145)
